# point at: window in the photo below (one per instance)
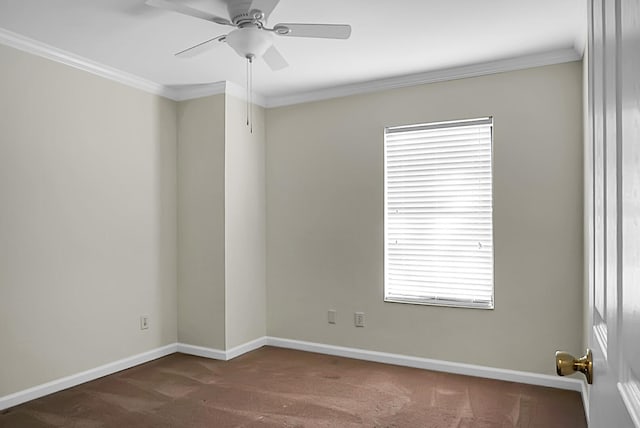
(438, 214)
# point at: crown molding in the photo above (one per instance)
(198, 90)
(191, 91)
(174, 92)
(240, 92)
(43, 50)
(473, 70)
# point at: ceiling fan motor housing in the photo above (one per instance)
(239, 11)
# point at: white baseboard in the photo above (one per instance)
(341, 351)
(429, 364)
(246, 347)
(219, 354)
(201, 351)
(85, 376)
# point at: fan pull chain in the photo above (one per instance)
(250, 92)
(248, 89)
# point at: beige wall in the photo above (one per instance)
(87, 220)
(325, 221)
(221, 223)
(117, 203)
(245, 224)
(201, 222)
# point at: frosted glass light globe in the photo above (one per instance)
(250, 41)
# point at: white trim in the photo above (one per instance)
(201, 351)
(38, 391)
(240, 92)
(245, 347)
(430, 364)
(499, 66)
(219, 354)
(630, 393)
(85, 376)
(190, 92)
(360, 354)
(585, 401)
(43, 50)
(186, 92)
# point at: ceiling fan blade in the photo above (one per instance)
(274, 59)
(186, 10)
(266, 6)
(324, 31)
(201, 47)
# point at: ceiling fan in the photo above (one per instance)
(251, 37)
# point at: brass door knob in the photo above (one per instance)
(567, 364)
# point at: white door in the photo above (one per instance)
(613, 211)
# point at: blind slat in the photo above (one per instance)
(438, 213)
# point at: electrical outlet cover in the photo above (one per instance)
(359, 319)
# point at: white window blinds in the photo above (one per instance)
(438, 214)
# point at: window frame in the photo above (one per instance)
(432, 300)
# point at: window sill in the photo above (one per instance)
(437, 302)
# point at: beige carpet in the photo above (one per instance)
(274, 387)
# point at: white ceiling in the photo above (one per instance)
(389, 38)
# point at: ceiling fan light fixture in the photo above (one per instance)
(250, 41)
